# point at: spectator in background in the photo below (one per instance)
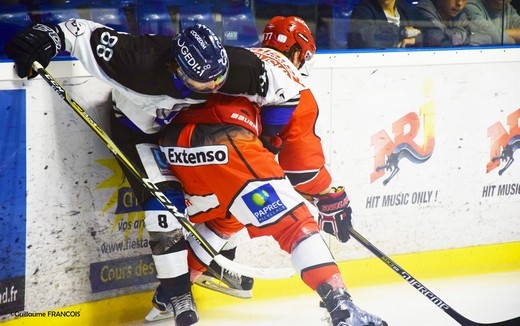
(445, 24)
(383, 24)
(497, 19)
(516, 5)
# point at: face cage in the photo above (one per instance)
(201, 87)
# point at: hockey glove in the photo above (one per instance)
(37, 43)
(335, 213)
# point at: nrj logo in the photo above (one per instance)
(389, 152)
(504, 144)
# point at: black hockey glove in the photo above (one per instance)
(335, 213)
(37, 43)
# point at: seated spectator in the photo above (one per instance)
(516, 5)
(383, 24)
(445, 24)
(497, 19)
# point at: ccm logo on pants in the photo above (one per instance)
(195, 156)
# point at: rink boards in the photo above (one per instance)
(446, 122)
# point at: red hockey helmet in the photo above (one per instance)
(283, 33)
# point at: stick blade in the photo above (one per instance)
(254, 272)
(509, 322)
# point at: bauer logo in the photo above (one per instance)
(195, 156)
(264, 202)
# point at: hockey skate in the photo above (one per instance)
(181, 307)
(342, 311)
(224, 281)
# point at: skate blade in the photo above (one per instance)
(156, 314)
(213, 284)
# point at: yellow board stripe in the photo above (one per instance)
(364, 272)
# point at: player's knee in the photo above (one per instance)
(311, 252)
(295, 232)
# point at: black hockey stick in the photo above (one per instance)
(423, 289)
(265, 273)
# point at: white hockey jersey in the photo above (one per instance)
(149, 95)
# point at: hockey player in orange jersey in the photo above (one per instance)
(231, 179)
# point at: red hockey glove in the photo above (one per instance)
(335, 213)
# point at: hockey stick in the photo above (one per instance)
(262, 273)
(423, 289)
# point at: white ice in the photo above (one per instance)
(482, 298)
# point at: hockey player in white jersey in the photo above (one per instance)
(153, 77)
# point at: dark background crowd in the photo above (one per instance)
(336, 24)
